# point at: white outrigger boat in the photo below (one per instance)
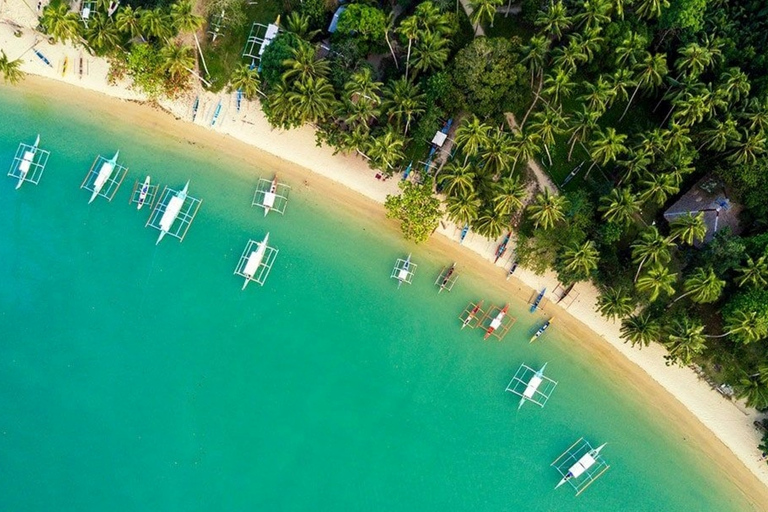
(26, 161)
(171, 212)
(270, 196)
(143, 193)
(254, 260)
(103, 176)
(531, 385)
(583, 464)
(403, 273)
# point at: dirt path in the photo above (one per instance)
(542, 178)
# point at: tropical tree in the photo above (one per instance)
(685, 340)
(651, 247)
(619, 206)
(59, 22)
(155, 23)
(463, 208)
(403, 101)
(748, 148)
(631, 48)
(299, 23)
(483, 10)
(246, 80)
(722, 134)
(582, 259)
(651, 70)
(569, 57)
(416, 208)
(313, 99)
(658, 187)
(430, 52)
(584, 123)
(304, 64)
(497, 153)
(558, 85)
(102, 34)
(657, 280)
(184, 20)
(650, 9)
(457, 178)
(386, 150)
(489, 225)
(640, 329)
(753, 273)
(554, 20)
(693, 60)
(548, 209)
(546, 125)
(128, 21)
(688, 227)
(606, 147)
(745, 326)
(754, 389)
(598, 95)
(10, 69)
(508, 196)
(525, 147)
(409, 28)
(177, 59)
(615, 303)
(703, 286)
(470, 136)
(535, 56)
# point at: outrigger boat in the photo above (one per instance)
(26, 161)
(239, 98)
(541, 330)
(536, 302)
(103, 176)
(216, 113)
(502, 247)
(172, 211)
(583, 464)
(472, 314)
(143, 193)
(512, 270)
(42, 57)
(269, 197)
(407, 171)
(194, 108)
(402, 275)
(532, 386)
(447, 277)
(464, 232)
(254, 261)
(496, 322)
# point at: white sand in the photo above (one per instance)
(730, 422)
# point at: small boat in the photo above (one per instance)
(472, 314)
(216, 113)
(42, 57)
(64, 67)
(239, 98)
(194, 108)
(502, 247)
(143, 193)
(269, 197)
(536, 302)
(407, 171)
(447, 277)
(496, 322)
(172, 211)
(541, 330)
(532, 386)
(254, 260)
(402, 275)
(512, 270)
(565, 293)
(80, 66)
(104, 173)
(464, 232)
(573, 173)
(26, 161)
(580, 466)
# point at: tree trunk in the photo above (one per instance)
(546, 149)
(677, 299)
(594, 163)
(637, 274)
(408, 59)
(573, 141)
(535, 100)
(391, 50)
(630, 102)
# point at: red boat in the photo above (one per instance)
(447, 277)
(472, 314)
(496, 322)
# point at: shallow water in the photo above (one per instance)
(140, 377)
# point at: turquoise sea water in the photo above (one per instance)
(136, 377)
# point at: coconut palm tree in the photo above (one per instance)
(304, 64)
(569, 57)
(685, 341)
(177, 59)
(594, 13)
(651, 71)
(298, 23)
(313, 99)
(757, 114)
(658, 187)
(430, 52)
(102, 34)
(688, 228)
(598, 95)
(525, 147)
(458, 179)
(497, 153)
(754, 389)
(471, 135)
(640, 329)
(10, 69)
(558, 85)
(60, 23)
(650, 9)
(489, 225)
(463, 208)
(606, 146)
(184, 20)
(246, 80)
(508, 196)
(584, 123)
(703, 286)
(403, 101)
(748, 148)
(629, 51)
(535, 56)
(693, 60)
(554, 20)
(745, 326)
(548, 209)
(128, 21)
(621, 80)
(361, 86)
(655, 281)
(409, 28)
(483, 10)
(546, 125)
(615, 303)
(753, 273)
(651, 247)
(386, 151)
(723, 133)
(619, 206)
(155, 23)
(582, 259)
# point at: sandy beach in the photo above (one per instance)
(721, 428)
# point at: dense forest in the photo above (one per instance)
(633, 103)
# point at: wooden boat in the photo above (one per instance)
(269, 197)
(464, 232)
(239, 99)
(42, 57)
(447, 277)
(26, 161)
(502, 247)
(496, 322)
(171, 212)
(472, 314)
(216, 113)
(194, 108)
(254, 260)
(583, 464)
(64, 67)
(143, 193)
(536, 302)
(512, 270)
(532, 386)
(541, 330)
(103, 176)
(402, 275)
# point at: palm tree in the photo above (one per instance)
(535, 56)
(703, 286)
(386, 150)
(619, 206)
(483, 10)
(389, 29)
(655, 281)
(177, 59)
(651, 247)
(554, 20)
(745, 326)
(128, 21)
(183, 18)
(548, 209)
(594, 13)
(463, 208)
(570, 56)
(430, 52)
(361, 86)
(598, 95)
(458, 179)
(471, 135)
(102, 34)
(313, 99)
(650, 8)
(403, 102)
(525, 147)
(246, 80)
(722, 134)
(582, 259)
(606, 146)
(688, 228)
(489, 225)
(298, 23)
(60, 23)
(630, 49)
(685, 341)
(640, 329)
(10, 69)
(615, 303)
(621, 80)
(497, 153)
(508, 196)
(748, 151)
(694, 59)
(155, 23)
(754, 389)
(558, 86)
(658, 187)
(546, 125)
(584, 123)
(409, 28)
(651, 71)
(753, 273)
(303, 64)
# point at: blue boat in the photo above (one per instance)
(502, 247)
(42, 57)
(239, 98)
(194, 108)
(464, 232)
(407, 171)
(216, 113)
(536, 302)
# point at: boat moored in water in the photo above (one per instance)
(254, 260)
(172, 211)
(541, 330)
(26, 161)
(103, 176)
(143, 193)
(496, 322)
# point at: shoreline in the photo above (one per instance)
(718, 425)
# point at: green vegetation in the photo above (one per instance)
(417, 210)
(10, 69)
